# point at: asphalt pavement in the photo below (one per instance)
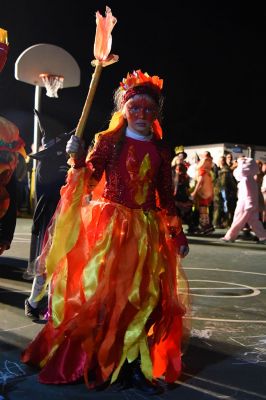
(226, 354)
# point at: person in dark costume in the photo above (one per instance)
(51, 172)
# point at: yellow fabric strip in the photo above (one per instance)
(140, 229)
(3, 36)
(58, 297)
(49, 355)
(67, 225)
(143, 176)
(135, 342)
(90, 274)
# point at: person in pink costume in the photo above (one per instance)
(247, 208)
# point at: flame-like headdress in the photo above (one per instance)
(138, 78)
(141, 83)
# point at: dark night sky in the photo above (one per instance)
(211, 57)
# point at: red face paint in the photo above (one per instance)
(141, 111)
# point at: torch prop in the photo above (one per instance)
(103, 58)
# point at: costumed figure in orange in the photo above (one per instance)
(4, 48)
(118, 291)
(11, 145)
(203, 193)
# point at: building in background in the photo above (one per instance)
(219, 149)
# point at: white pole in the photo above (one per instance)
(36, 144)
(36, 132)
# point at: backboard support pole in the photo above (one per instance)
(36, 131)
(36, 145)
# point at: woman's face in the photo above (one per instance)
(140, 112)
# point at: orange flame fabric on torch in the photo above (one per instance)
(3, 48)
(103, 37)
(103, 58)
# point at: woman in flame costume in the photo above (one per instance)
(118, 292)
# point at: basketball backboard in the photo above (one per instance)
(49, 66)
(48, 59)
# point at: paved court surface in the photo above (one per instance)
(226, 356)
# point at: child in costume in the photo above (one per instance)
(247, 207)
(118, 291)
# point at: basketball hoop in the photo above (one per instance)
(52, 83)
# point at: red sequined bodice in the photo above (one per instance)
(134, 171)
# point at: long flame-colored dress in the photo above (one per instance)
(118, 291)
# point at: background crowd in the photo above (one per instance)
(206, 193)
